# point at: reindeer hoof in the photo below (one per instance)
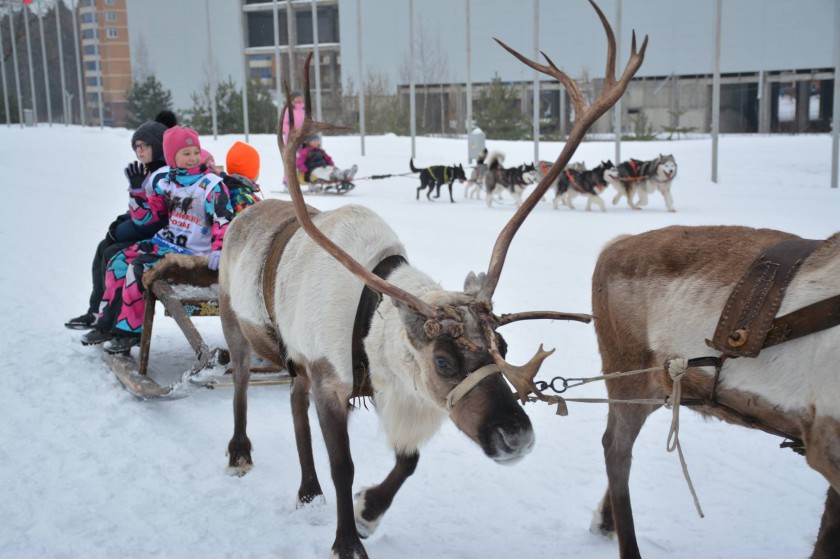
(310, 501)
(364, 527)
(240, 468)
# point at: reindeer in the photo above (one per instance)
(339, 298)
(659, 295)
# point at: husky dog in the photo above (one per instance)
(512, 179)
(585, 183)
(642, 178)
(473, 188)
(432, 178)
(542, 169)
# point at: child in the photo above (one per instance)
(298, 112)
(196, 205)
(243, 169)
(316, 164)
(134, 225)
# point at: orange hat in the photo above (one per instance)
(243, 160)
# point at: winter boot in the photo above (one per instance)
(351, 172)
(122, 343)
(83, 322)
(96, 337)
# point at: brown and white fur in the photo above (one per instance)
(659, 295)
(543, 167)
(657, 174)
(315, 304)
(512, 179)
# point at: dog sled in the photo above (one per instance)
(323, 186)
(186, 288)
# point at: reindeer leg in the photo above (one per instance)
(310, 488)
(373, 502)
(332, 411)
(623, 425)
(239, 447)
(828, 539)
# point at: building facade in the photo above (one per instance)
(106, 61)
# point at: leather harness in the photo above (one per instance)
(748, 322)
(368, 303)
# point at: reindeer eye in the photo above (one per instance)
(442, 364)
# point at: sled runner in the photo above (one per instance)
(325, 187)
(186, 288)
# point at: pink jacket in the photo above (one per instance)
(309, 158)
(298, 112)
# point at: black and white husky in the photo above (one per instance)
(542, 169)
(640, 178)
(512, 179)
(584, 183)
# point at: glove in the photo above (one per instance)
(135, 173)
(213, 259)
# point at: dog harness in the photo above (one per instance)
(445, 174)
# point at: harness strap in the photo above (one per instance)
(751, 308)
(368, 303)
(819, 316)
(269, 276)
(572, 181)
(469, 382)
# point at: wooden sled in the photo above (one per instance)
(187, 288)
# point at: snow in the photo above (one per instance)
(88, 471)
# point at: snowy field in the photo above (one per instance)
(88, 471)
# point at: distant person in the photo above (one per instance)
(316, 164)
(298, 112)
(134, 225)
(242, 164)
(195, 205)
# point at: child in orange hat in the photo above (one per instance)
(242, 164)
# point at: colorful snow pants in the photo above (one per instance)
(122, 308)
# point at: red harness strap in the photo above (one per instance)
(574, 184)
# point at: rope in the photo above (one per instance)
(676, 370)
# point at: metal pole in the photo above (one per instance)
(317, 57)
(29, 60)
(361, 75)
(44, 60)
(278, 78)
(617, 110)
(245, 69)
(716, 94)
(835, 119)
(75, 26)
(101, 101)
(291, 32)
(469, 81)
(212, 67)
(3, 72)
(65, 106)
(412, 107)
(536, 96)
(17, 68)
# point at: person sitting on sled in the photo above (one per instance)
(195, 204)
(317, 165)
(243, 169)
(135, 224)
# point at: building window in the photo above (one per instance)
(89, 34)
(112, 33)
(89, 17)
(91, 49)
(110, 16)
(110, 2)
(90, 66)
(92, 82)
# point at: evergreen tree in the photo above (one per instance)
(498, 113)
(145, 100)
(228, 110)
(262, 112)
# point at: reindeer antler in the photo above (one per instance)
(585, 116)
(288, 150)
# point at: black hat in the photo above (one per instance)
(152, 131)
(294, 95)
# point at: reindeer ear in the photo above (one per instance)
(473, 283)
(414, 322)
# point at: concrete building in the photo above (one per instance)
(776, 55)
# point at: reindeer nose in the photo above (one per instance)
(511, 445)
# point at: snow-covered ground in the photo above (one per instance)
(88, 471)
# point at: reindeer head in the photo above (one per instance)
(456, 332)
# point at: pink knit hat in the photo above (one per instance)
(176, 139)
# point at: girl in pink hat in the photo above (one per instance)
(195, 204)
